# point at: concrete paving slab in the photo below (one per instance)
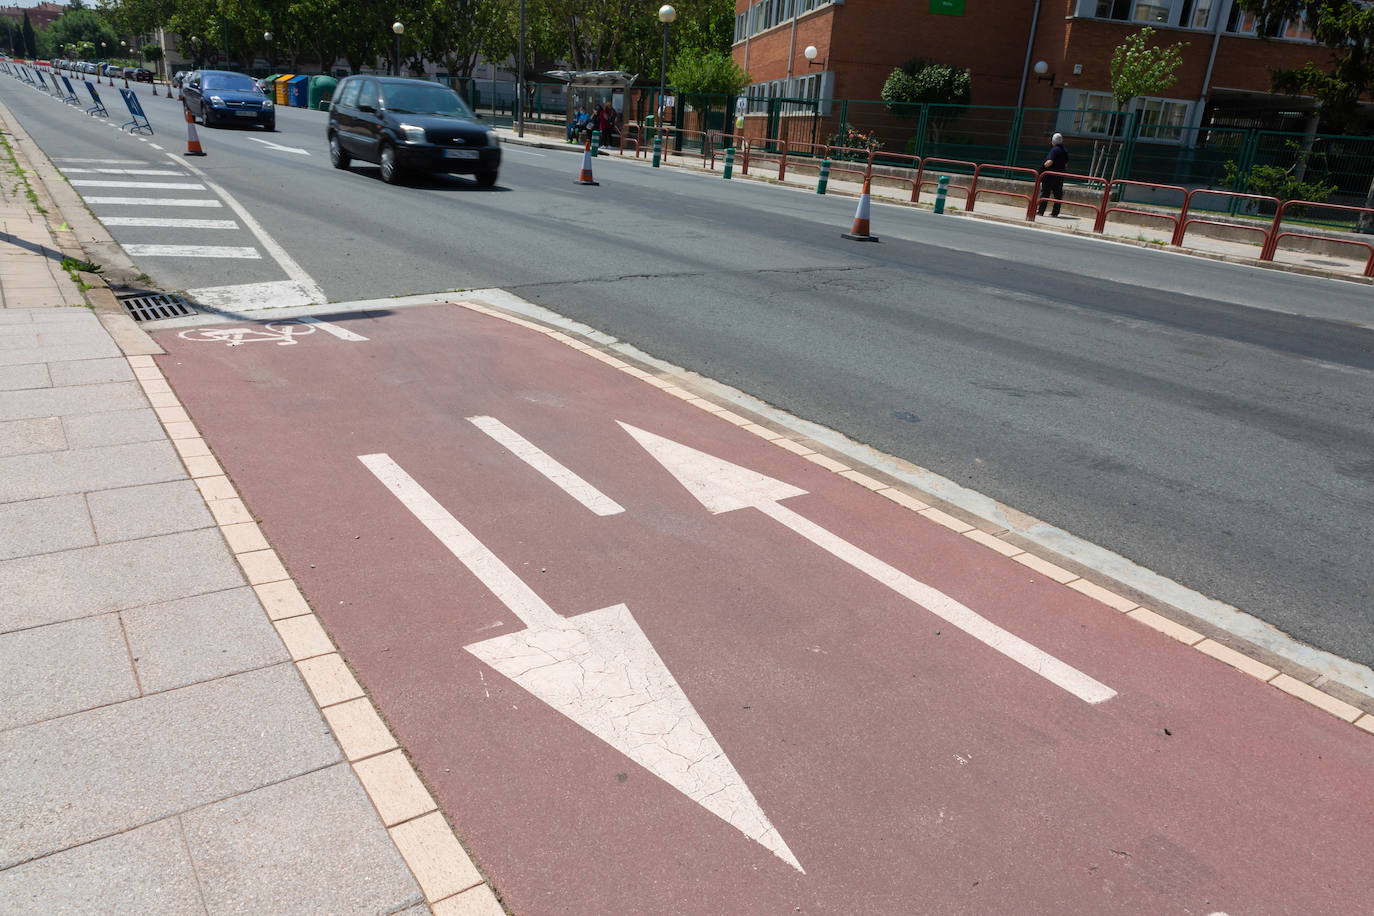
(312, 844)
(18, 339)
(63, 668)
(58, 352)
(113, 577)
(113, 427)
(44, 525)
(127, 513)
(196, 639)
(25, 437)
(143, 871)
(87, 776)
(83, 470)
(73, 399)
(24, 375)
(90, 371)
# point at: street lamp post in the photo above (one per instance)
(519, 79)
(399, 29)
(666, 14)
(267, 38)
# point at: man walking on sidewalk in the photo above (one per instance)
(1053, 185)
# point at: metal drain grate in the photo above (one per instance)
(152, 308)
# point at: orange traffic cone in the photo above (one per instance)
(155, 87)
(860, 231)
(192, 141)
(586, 176)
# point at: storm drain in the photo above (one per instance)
(155, 307)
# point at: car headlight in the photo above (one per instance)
(412, 133)
(216, 101)
(266, 104)
(492, 139)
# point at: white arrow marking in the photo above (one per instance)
(570, 483)
(599, 670)
(285, 149)
(721, 487)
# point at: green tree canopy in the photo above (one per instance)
(76, 26)
(1138, 70)
(1346, 27)
(920, 81)
(696, 71)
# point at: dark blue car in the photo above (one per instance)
(219, 97)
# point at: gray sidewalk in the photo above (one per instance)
(177, 732)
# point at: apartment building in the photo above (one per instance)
(1050, 54)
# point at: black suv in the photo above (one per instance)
(225, 97)
(403, 124)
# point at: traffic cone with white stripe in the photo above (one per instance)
(192, 140)
(860, 231)
(586, 176)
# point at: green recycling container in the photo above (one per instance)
(321, 91)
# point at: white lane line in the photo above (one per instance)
(153, 222)
(101, 161)
(123, 172)
(277, 253)
(588, 495)
(190, 251)
(329, 328)
(499, 578)
(155, 201)
(155, 185)
(249, 296)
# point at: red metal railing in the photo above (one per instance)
(1097, 208)
(1030, 198)
(740, 144)
(1101, 223)
(1275, 236)
(764, 154)
(926, 164)
(1184, 221)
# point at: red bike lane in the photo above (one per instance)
(650, 663)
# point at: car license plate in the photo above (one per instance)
(461, 154)
(246, 114)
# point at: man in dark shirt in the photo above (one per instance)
(1053, 185)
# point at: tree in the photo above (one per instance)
(699, 72)
(1346, 27)
(921, 82)
(30, 40)
(81, 25)
(1136, 70)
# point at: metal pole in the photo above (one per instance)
(396, 58)
(662, 77)
(520, 77)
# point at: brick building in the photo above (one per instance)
(1043, 54)
(42, 15)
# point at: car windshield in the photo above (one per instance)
(427, 100)
(234, 82)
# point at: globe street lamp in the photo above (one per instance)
(399, 29)
(666, 14)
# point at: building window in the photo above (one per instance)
(766, 14)
(1243, 23)
(1156, 11)
(1161, 120)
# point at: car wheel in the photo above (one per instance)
(270, 126)
(486, 179)
(391, 169)
(337, 157)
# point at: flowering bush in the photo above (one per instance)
(852, 139)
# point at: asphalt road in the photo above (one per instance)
(1211, 422)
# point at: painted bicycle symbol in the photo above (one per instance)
(284, 333)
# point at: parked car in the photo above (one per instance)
(111, 71)
(224, 97)
(139, 74)
(409, 125)
(179, 77)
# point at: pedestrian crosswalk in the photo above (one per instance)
(135, 174)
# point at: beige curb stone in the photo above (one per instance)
(1233, 658)
(329, 679)
(1166, 626)
(947, 520)
(304, 637)
(825, 461)
(1337, 708)
(214, 488)
(435, 856)
(863, 480)
(903, 499)
(262, 566)
(244, 537)
(282, 599)
(1046, 568)
(229, 511)
(191, 448)
(360, 729)
(993, 542)
(477, 902)
(202, 466)
(394, 788)
(1366, 722)
(1097, 592)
